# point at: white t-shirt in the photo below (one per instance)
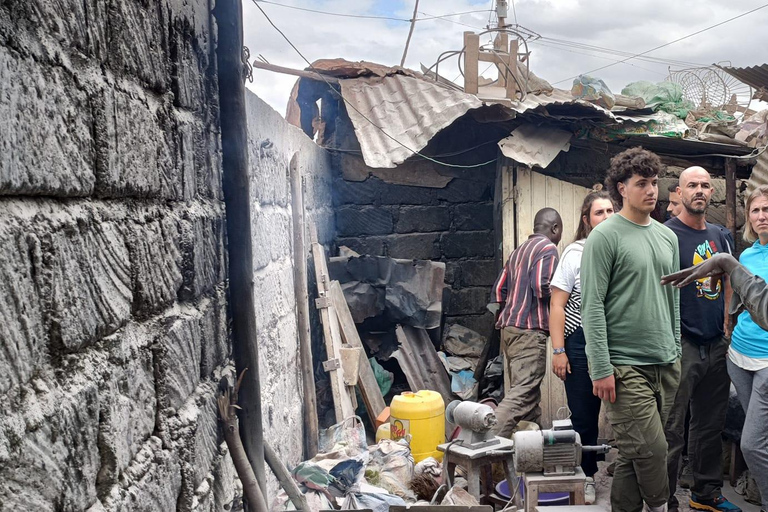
(567, 278)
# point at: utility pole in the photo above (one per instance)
(501, 42)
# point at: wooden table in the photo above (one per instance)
(536, 483)
(478, 462)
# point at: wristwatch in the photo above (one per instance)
(560, 350)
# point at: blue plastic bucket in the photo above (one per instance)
(546, 499)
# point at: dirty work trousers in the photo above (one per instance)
(644, 396)
(526, 356)
(704, 384)
(752, 389)
(584, 405)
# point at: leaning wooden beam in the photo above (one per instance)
(369, 388)
(286, 480)
(342, 403)
(314, 75)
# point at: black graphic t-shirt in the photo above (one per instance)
(702, 304)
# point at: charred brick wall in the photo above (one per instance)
(453, 224)
(113, 306)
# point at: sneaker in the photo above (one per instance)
(589, 491)
(686, 476)
(718, 504)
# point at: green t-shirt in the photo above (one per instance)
(628, 317)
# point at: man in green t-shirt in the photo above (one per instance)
(632, 329)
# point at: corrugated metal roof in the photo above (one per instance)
(420, 363)
(759, 174)
(754, 76)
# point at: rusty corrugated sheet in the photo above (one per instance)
(759, 174)
(754, 76)
(420, 363)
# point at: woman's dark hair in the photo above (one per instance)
(586, 209)
(628, 163)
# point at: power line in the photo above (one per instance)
(539, 43)
(602, 49)
(365, 16)
(514, 12)
(666, 44)
(349, 104)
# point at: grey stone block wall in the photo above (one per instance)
(452, 224)
(113, 304)
(272, 145)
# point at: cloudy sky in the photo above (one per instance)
(566, 27)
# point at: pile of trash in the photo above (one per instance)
(462, 348)
(347, 474)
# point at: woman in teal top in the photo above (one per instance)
(748, 355)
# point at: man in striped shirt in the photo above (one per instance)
(522, 290)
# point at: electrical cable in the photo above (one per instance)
(364, 16)
(666, 44)
(348, 103)
(539, 43)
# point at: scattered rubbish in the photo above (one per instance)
(346, 474)
(463, 341)
(459, 496)
(391, 467)
(383, 377)
(313, 477)
(370, 497)
(494, 379)
(464, 385)
(424, 486)
(665, 96)
(533, 145)
(347, 437)
(593, 90)
(754, 130)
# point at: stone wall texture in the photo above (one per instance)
(453, 224)
(113, 306)
(272, 144)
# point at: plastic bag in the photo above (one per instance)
(391, 467)
(346, 474)
(464, 385)
(384, 378)
(593, 90)
(665, 96)
(347, 437)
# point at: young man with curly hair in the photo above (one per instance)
(632, 329)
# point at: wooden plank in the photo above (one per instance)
(512, 88)
(471, 58)
(342, 403)
(369, 387)
(312, 75)
(524, 203)
(501, 58)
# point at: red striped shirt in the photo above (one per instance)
(526, 275)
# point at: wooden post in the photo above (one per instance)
(501, 44)
(512, 88)
(730, 195)
(471, 58)
(301, 292)
(237, 200)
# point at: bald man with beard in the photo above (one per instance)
(704, 382)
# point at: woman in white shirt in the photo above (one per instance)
(569, 359)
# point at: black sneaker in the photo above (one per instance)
(719, 504)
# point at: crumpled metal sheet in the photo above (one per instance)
(534, 145)
(754, 76)
(420, 362)
(408, 109)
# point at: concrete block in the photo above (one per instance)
(177, 357)
(268, 168)
(202, 248)
(355, 221)
(46, 146)
(134, 156)
(473, 217)
(128, 401)
(22, 332)
(216, 347)
(155, 265)
(54, 460)
(414, 246)
(138, 41)
(152, 482)
(189, 69)
(225, 481)
(209, 175)
(273, 293)
(482, 324)
(452, 272)
(373, 245)
(468, 301)
(190, 161)
(423, 219)
(356, 192)
(403, 194)
(465, 191)
(272, 234)
(478, 272)
(89, 273)
(467, 244)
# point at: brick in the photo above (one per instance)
(177, 357)
(404, 194)
(272, 235)
(274, 297)
(203, 258)
(190, 160)
(214, 326)
(268, 168)
(423, 219)
(128, 401)
(53, 464)
(208, 165)
(51, 157)
(373, 245)
(90, 282)
(482, 324)
(473, 217)
(137, 41)
(188, 70)
(355, 192)
(465, 191)
(155, 265)
(478, 272)
(467, 244)
(134, 156)
(22, 331)
(355, 221)
(452, 272)
(414, 246)
(468, 301)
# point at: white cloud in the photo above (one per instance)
(627, 26)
